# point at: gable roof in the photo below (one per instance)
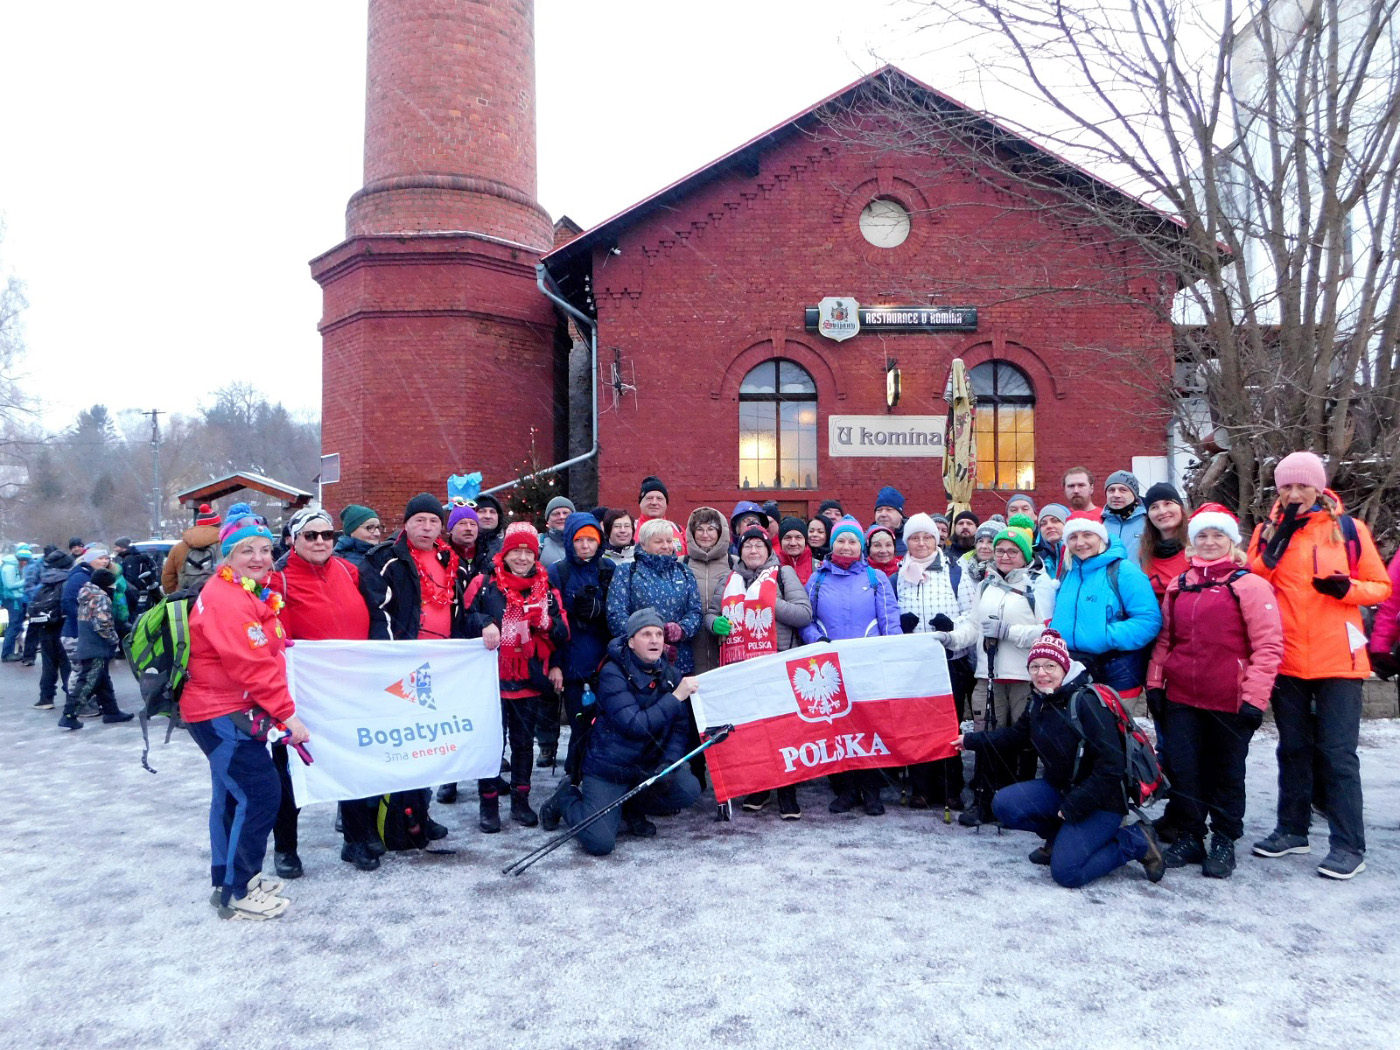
(569, 263)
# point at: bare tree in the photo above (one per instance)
(1269, 137)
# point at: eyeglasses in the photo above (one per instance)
(372, 528)
(1007, 554)
(312, 536)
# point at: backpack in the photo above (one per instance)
(46, 606)
(198, 567)
(1143, 780)
(158, 653)
(400, 820)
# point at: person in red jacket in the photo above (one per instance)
(321, 596)
(1324, 568)
(1162, 552)
(236, 666)
(1212, 671)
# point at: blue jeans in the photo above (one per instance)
(1083, 851)
(243, 805)
(15, 606)
(676, 790)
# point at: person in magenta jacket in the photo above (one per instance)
(1385, 635)
(1212, 670)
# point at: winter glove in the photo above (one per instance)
(1385, 665)
(673, 632)
(588, 604)
(722, 627)
(994, 628)
(1252, 717)
(1156, 700)
(941, 622)
(1332, 586)
(672, 653)
(942, 638)
(1290, 524)
(908, 622)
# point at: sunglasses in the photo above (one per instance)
(312, 535)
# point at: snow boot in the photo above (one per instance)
(447, 794)
(1187, 849)
(552, 812)
(547, 757)
(1220, 860)
(489, 816)
(872, 804)
(287, 865)
(358, 854)
(520, 810)
(1152, 860)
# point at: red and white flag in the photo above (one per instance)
(863, 703)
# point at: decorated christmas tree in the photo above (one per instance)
(528, 499)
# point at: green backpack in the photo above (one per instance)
(158, 652)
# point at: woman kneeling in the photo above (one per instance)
(1078, 806)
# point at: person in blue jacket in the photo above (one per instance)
(657, 579)
(1124, 516)
(851, 600)
(641, 727)
(1106, 610)
(89, 561)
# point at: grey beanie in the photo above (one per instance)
(1123, 477)
(556, 503)
(93, 553)
(644, 617)
(989, 530)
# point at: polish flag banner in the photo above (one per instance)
(862, 703)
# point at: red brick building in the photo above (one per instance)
(714, 372)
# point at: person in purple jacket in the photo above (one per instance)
(851, 600)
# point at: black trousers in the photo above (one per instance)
(1206, 751)
(547, 723)
(55, 668)
(284, 831)
(1319, 720)
(519, 717)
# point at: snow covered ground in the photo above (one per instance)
(848, 931)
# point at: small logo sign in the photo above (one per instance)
(838, 317)
(819, 688)
(416, 687)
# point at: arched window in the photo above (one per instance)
(778, 427)
(1005, 426)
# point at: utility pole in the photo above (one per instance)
(156, 499)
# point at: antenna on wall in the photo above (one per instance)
(624, 379)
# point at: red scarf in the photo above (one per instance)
(845, 561)
(752, 613)
(889, 568)
(802, 564)
(525, 624)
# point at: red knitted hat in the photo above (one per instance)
(1050, 646)
(520, 534)
(207, 516)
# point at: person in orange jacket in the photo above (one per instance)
(1322, 576)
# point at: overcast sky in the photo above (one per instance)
(168, 169)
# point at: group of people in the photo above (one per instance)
(603, 622)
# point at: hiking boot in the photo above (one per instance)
(375, 846)
(520, 810)
(434, 830)
(114, 716)
(755, 802)
(447, 794)
(1041, 855)
(552, 812)
(844, 802)
(788, 808)
(1341, 864)
(91, 709)
(287, 865)
(254, 905)
(357, 854)
(873, 806)
(1152, 861)
(489, 813)
(69, 721)
(547, 758)
(1280, 844)
(1220, 860)
(43, 705)
(1187, 849)
(637, 824)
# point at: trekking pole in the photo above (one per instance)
(990, 721)
(714, 736)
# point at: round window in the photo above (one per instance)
(884, 223)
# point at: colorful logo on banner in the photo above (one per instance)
(416, 687)
(819, 688)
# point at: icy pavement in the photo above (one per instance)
(850, 931)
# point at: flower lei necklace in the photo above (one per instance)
(267, 594)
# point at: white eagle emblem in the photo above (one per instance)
(758, 621)
(817, 684)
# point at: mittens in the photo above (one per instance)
(1251, 716)
(673, 632)
(941, 622)
(722, 627)
(908, 622)
(1332, 586)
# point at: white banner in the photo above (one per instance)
(393, 716)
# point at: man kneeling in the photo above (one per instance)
(640, 728)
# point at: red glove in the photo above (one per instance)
(672, 653)
(673, 633)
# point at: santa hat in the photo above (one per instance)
(207, 516)
(1213, 516)
(521, 534)
(1083, 521)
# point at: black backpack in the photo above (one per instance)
(401, 820)
(198, 567)
(47, 604)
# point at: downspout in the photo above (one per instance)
(545, 286)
